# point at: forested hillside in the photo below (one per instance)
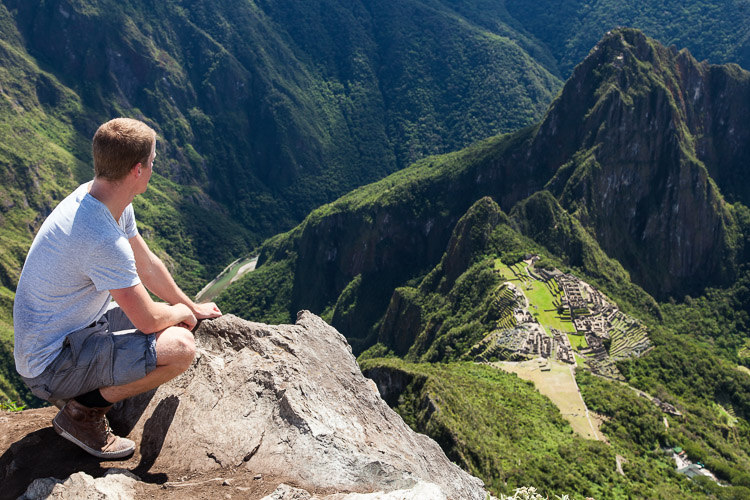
(264, 110)
(716, 31)
(623, 185)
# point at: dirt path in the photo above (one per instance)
(620, 460)
(30, 449)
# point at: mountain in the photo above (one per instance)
(632, 149)
(631, 186)
(264, 111)
(275, 108)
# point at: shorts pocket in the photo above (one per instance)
(92, 354)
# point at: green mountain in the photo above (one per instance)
(623, 149)
(625, 184)
(264, 110)
(274, 108)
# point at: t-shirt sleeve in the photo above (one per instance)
(127, 222)
(111, 266)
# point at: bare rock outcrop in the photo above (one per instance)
(285, 402)
(116, 484)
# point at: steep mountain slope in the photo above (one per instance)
(501, 429)
(644, 173)
(277, 107)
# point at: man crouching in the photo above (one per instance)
(73, 346)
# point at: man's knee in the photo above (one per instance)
(176, 347)
(187, 347)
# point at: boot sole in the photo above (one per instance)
(96, 453)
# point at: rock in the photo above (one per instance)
(420, 491)
(117, 484)
(286, 492)
(285, 401)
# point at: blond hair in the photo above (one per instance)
(119, 145)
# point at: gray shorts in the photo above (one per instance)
(108, 352)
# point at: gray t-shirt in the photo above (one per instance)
(79, 254)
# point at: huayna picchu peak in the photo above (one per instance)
(640, 159)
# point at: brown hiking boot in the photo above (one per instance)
(89, 429)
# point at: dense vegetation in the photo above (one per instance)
(500, 429)
(716, 31)
(406, 267)
(706, 431)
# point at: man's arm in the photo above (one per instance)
(149, 316)
(156, 277)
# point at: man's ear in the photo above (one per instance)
(136, 170)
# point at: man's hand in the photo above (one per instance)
(206, 310)
(189, 320)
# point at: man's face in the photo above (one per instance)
(147, 169)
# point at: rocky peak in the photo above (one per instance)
(631, 145)
(285, 403)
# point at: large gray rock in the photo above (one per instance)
(288, 401)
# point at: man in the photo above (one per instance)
(72, 346)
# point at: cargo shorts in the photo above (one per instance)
(110, 351)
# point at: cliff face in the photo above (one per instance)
(285, 402)
(390, 231)
(633, 141)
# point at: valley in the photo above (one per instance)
(500, 187)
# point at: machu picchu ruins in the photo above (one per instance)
(554, 315)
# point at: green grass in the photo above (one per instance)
(578, 342)
(539, 295)
(543, 301)
(11, 406)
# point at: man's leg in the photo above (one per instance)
(175, 350)
(86, 425)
